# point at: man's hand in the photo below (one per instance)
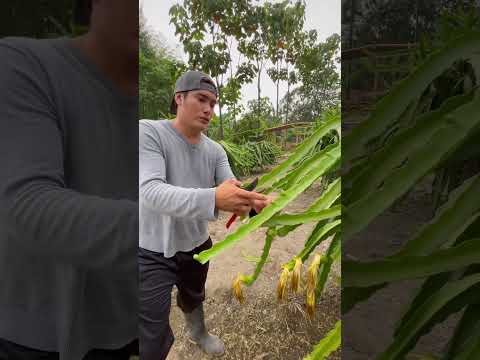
(230, 197)
(259, 205)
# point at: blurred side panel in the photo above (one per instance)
(410, 179)
(69, 179)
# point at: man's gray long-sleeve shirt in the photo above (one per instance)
(68, 201)
(177, 187)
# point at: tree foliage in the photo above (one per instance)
(259, 115)
(269, 37)
(207, 29)
(158, 71)
(317, 73)
(284, 24)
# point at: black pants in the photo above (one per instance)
(157, 277)
(12, 351)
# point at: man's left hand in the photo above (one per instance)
(259, 205)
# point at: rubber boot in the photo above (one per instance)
(195, 323)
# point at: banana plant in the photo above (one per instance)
(445, 251)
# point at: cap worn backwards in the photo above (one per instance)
(193, 80)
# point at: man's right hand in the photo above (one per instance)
(230, 197)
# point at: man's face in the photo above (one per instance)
(196, 109)
(115, 22)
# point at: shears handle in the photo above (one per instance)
(231, 220)
(249, 187)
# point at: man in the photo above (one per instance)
(69, 190)
(184, 179)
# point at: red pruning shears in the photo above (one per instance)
(249, 187)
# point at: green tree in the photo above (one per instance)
(259, 115)
(317, 72)
(285, 26)
(158, 71)
(207, 29)
(254, 44)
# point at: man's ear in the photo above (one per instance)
(179, 99)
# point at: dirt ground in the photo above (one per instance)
(261, 328)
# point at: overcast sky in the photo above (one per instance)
(321, 15)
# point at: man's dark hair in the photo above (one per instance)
(82, 10)
(173, 105)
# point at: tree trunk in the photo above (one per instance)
(288, 102)
(278, 83)
(231, 77)
(219, 92)
(220, 135)
(288, 96)
(259, 67)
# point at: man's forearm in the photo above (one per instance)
(179, 202)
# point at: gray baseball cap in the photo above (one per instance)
(192, 80)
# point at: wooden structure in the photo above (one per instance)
(279, 133)
(383, 64)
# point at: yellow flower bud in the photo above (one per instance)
(282, 284)
(312, 272)
(311, 303)
(296, 275)
(237, 289)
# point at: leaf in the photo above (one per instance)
(450, 221)
(424, 313)
(437, 281)
(297, 173)
(468, 328)
(317, 170)
(383, 162)
(251, 258)
(431, 285)
(249, 280)
(328, 344)
(317, 237)
(278, 172)
(302, 218)
(333, 254)
(360, 213)
(471, 350)
(411, 267)
(329, 196)
(453, 306)
(354, 295)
